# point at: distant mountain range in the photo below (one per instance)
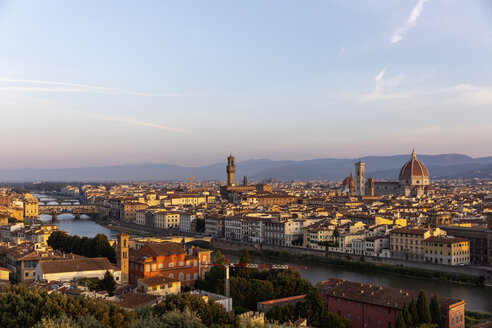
(445, 166)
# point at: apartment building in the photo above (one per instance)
(169, 260)
(166, 220)
(408, 243)
(214, 226)
(447, 250)
(368, 306)
(187, 221)
(130, 209)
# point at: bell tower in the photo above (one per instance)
(231, 171)
(360, 179)
(122, 256)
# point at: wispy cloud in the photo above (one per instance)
(108, 118)
(380, 76)
(410, 22)
(464, 94)
(23, 85)
(380, 85)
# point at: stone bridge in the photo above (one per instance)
(76, 210)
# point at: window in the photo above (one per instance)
(389, 311)
(147, 268)
(180, 263)
(187, 276)
(181, 276)
(27, 274)
(171, 264)
(171, 275)
(389, 324)
(154, 267)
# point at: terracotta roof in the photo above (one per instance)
(159, 249)
(415, 231)
(72, 265)
(285, 299)
(134, 300)
(446, 240)
(378, 295)
(413, 167)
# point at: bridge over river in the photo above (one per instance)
(76, 209)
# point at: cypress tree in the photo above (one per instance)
(435, 312)
(423, 308)
(413, 312)
(407, 316)
(400, 322)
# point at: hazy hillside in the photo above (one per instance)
(379, 167)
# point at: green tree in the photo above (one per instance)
(407, 316)
(424, 315)
(107, 283)
(56, 323)
(414, 312)
(170, 319)
(435, 312)
(400, 321)
(336, 233)
(219, 258)
(245, 259)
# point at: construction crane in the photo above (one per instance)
(191, 184)
(227, 265)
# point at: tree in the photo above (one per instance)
(170, 319)
(219, 258)
(400, 322)
(435, 312)
(407, 317)
(424, 315)
(336, 233)
(245, 259)
(414, 312)
(107, 283)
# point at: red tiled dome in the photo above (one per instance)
(348, 181)
(413, 168)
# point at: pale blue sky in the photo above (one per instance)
(186, 82)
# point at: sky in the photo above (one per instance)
(92, 83)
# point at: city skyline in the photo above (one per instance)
(91, 84)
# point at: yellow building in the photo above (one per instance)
(447, 250)
(130, 210)
(16, 212)
(4, 274)
(31, 206)
(167, 220)
(159, 285)
(408, 243)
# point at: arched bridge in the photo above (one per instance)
(76, 210)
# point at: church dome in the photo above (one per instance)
(413, 168)
(348, 181)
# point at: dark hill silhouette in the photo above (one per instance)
(379, 167)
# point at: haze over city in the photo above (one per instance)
(103, 83)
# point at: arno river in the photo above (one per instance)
(477, 298)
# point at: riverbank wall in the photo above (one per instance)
(227, 246)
